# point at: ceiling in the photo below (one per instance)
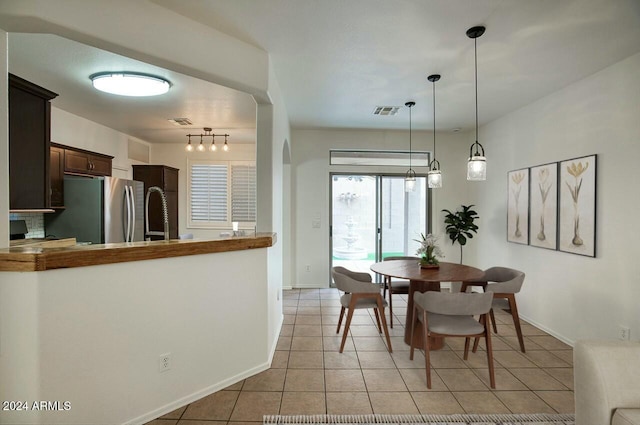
(336, 60)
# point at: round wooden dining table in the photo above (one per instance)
(423, 280)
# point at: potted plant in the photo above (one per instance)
(429, 251)
(460, 225)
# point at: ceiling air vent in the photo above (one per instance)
(386, 110)
(180, 121)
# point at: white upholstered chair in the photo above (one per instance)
(451, 315)
(359, 292)
(606, 376)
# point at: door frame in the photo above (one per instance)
(378, 206)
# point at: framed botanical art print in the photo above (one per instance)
(544, 206)
(577, 209)
(518, 206)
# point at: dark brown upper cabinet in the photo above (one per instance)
(79, 161)
(166, 178)
(56, 168)
(29, 139)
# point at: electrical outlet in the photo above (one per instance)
(164, 362)
(624, 333)
(308, 268)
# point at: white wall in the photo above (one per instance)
(71, 130)
(270, 167)
(93, 335)
(310, 163)
(573, 296)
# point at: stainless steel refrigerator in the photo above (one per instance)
(99, 210)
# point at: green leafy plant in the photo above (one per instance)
(460, 226)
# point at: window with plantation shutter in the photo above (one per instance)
(221, 192)
(243, 193)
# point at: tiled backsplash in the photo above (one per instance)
(34, 221)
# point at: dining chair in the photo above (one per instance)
(395, 286)
(504, 283)
(359, 292)
(451, 315)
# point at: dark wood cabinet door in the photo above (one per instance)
(29, 138)
(165, 178)
(172, 207)
(77, 161)
(100, 166)
(56, 174)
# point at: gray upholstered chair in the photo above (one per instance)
(395, 286)
(359, 292)
(451, 315)
(504, 283)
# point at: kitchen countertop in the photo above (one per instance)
(25, 259)
(42, 243)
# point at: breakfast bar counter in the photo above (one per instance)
(24, 259)
(92, 325)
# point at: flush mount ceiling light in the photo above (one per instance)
(477, 164)
(130, 83)
(410, 177)
(207, 133)
(434, 175)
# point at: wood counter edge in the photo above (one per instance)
(41, 259)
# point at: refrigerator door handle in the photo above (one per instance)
(127, 234)
(133, 214)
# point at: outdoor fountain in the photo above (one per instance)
(350, 251)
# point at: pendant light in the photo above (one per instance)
(477, 165)
(410, 177)
(201, 147)
(434, 176)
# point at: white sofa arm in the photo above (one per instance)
(606, 377)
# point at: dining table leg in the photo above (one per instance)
(437, 343)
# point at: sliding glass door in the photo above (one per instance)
(403, 217)
(372, 217)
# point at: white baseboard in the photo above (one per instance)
(310, 286)
(549, 331)
(170, 407)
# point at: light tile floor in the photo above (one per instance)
(309, 376)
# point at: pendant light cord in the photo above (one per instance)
(475, 49)
(434, 119)
(410, 137)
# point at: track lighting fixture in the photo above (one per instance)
(207, 133)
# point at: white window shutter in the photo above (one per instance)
(243, 193)
(209, 193)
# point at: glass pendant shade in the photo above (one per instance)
(189, 147)
(213, 147)
(477, 168)
(201, 147)
(410, 183)
(434, 179)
